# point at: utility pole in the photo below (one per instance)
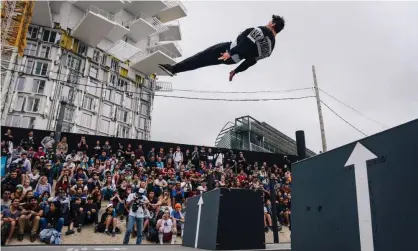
(273, 200)
(60, 121)
(321, 118)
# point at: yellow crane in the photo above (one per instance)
(15, 19)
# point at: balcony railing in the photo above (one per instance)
(170, 39)
(96, 10)
(173, 3)
(150, 50)
(157, 24)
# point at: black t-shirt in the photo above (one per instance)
(97, 149)
(104, 217)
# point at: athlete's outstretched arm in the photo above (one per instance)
(242, 67)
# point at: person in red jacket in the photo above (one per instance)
(39, 153)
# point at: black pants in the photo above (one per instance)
(204, 58)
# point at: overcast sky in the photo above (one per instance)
(365, 53)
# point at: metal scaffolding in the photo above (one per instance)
(249, 134)
(15, 19)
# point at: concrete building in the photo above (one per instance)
(247, 133)
(99, 56)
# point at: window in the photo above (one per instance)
(69, 113)
(139, 80)
(94, 71)
(124, 72)
(49, 36)
(122, 115)
(96, 56)
(38, 86)
(73, 77)
(104, 59)
(19, 104)
(106, 110)
(30, 49)
(140, 135)
(45, 51)
(122, 84)
(144, 110)
(117, 98)
(86, 120)
(128, 102)
(123, 132)
(145, 95)
(28, 122)
(147, 83)
(113, 79)
(29, 66)
(88, 103)
(20, 84)
(73, 63)
(13, 120)
(104, 126)
(32, 104)
(32, 32)
(41, 69)
(114, 64)
(141, 123)
(107, 94)
(82, 48)
(72, 94)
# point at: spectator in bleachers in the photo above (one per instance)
(31, 215)
(9, 220)
(101, 180)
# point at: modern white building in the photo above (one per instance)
(101, 57)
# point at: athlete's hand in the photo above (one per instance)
(224, 56)
(231, 75)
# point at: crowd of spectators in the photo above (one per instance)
(52, 187)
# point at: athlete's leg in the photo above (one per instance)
(204, 58)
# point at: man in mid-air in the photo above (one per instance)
(251, 45)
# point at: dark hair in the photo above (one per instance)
(279, 23)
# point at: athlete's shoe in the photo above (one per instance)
(167, 68)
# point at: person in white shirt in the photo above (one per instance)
(178, 158)
(166, 228)
(160, 183)
(135, 202)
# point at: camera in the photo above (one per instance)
(138, 201)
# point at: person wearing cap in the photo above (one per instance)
(40, 153)
(108, 221)
(166, 228)
(136, 215)
(251, 45)
(178, 217)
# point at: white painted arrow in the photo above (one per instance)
(358, 158)
(199, 203)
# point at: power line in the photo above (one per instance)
(339, 101)
(343, 118)
(179, 90)
(242, 92)
(180, 97)
(240, 100)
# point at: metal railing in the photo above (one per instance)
(98, 11)
(174, 3)
(150, 50)
(157, 24)
(168, 40)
